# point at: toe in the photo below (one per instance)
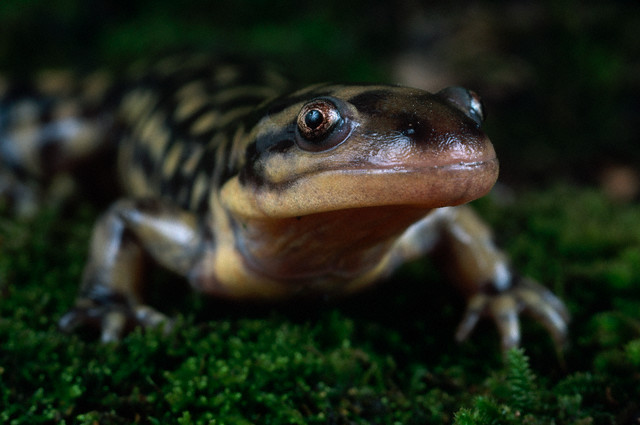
(504, 310)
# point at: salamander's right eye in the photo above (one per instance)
(320, 126)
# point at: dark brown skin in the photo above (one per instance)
(321, 192)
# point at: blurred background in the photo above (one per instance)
(560, 78)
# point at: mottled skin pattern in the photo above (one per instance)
(253, 194)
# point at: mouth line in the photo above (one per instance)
(365, 185)
(460, 165)
(380, 171)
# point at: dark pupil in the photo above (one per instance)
(313, 119)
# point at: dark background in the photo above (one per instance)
(561, 79)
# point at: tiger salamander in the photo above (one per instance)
(253, 190)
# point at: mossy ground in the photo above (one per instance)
(386, 356)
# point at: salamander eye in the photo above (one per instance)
(466, 101)
(319, 124)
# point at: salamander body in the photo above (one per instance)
(253, 189)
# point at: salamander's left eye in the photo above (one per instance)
(319, 125)
(466, 101)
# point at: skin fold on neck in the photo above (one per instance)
(344, 243)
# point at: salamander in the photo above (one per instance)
(251, 188)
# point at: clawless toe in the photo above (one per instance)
(525, 296)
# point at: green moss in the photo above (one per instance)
(378, 358)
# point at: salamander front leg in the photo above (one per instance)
(482, 272)
(110, 296)
(525, 295)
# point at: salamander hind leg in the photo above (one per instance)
(493, 289)
(110, 297)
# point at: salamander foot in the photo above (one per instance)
(113, 320)
(525, 296)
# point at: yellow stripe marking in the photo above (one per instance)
(172, 160)
(188, 107)
(200, 188)
(190, 164)
(206, 122)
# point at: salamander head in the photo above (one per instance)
(330, 148)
